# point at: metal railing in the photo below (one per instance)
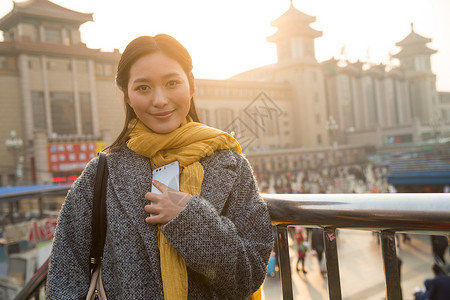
(35, 288)
(11, 196)
(384, 213)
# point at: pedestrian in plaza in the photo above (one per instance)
(405, 238)
(439, 285)
(437, 288)
(302, 248)
(210, 240)
(439, 245)
(317, 244)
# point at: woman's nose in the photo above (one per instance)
(159, 98)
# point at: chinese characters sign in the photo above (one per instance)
(65, 157)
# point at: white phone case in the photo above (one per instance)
(169, 175)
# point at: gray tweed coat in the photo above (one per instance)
(224, 234)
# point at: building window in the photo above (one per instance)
(38, 107)
(86, 113)
(11, 36)
(34, 63)
(204, 116)
(271, 122)
(82, 66)
(8, 63)
(443, 114)
(108, 69)
(284, 50)
(3, 63)
(36, 36)
(297, 47)
(409, 63)
(319, 139)
(53, 35)
(371, 102)
(225, 116)
(104, 69)
(309, 49)
(57, 64)
(67, 40)
(63, 113)
(98, 69)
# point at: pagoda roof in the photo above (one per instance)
(414, 44)
(414, 50)
(293, 23)
(43, 9)
(293, 15)
(299, 30)
(413, 39)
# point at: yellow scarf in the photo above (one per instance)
(186, 144)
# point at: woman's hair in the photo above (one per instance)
(138, 48)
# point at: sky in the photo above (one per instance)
(228, 37)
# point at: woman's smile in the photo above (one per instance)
(163, 115)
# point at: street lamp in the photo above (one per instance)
(14, 144)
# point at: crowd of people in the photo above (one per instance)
(356, 178)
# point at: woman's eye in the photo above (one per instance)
(172, 83)
(143, 88)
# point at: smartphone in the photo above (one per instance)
(169, 175)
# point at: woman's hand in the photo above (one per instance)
(166, 206)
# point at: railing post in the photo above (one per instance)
(334, 281)
(391, 266)
(285, 262)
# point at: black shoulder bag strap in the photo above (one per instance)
(98, 233)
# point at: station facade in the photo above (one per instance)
(59, 99)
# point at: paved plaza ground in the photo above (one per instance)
(361, 269)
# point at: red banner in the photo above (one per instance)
(66, 157)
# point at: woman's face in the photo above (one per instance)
(159, 92)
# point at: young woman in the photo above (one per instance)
(209, 240)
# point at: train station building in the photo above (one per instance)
(60, 104)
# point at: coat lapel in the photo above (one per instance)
(220, 175)
(131, 177)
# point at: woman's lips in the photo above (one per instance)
(163, 115)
